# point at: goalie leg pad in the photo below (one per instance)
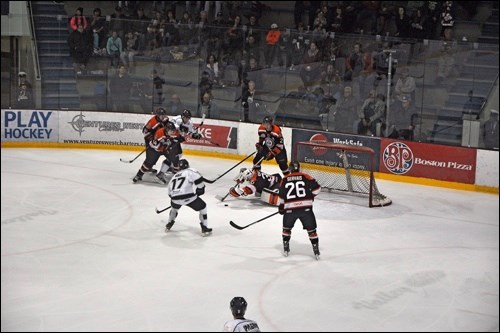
(270, 197)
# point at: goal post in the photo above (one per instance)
(340, 168)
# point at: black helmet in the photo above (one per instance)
(267, 120)
(294, 166)
(186, 113)
(170, 126)
(161, 112)
(238, 306)
(183, 164)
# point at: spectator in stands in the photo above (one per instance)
(253, 29)
(401, 119)
(345, 113)
(114, 48)
(447, 16)
(252, 49)
(252, 72)
(446, 64)
(354, 63)
(25, 97)
(331, 82)
(433, 15)
(23, 79)
(248, 94)
(119, 22)
(214, 69)
(405, 86)
(207, 107)
(306, 7)
(171, 31)
(98, 26)
(370, 114)
(175, 106)
(310, 76)
(206, 84)
(403, 23)
(203, 27)
(139, 26)
(77, 19)
(130, 50)
(120, 87)
(80, 48)
(272, 46)
(154, 90)
(233, 40)
(490, 131)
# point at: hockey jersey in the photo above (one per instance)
(297, 191)
(241, 325)
(182, 186)
(272, 140)
(162, 142)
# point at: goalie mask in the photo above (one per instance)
(294, 166)
(244, 175)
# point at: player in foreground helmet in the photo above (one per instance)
(270, 145)
(296, 196)
(185, 189)
(257, 183)
(238, 307)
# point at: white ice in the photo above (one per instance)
(84, 250)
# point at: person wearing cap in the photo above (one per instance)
(490, 131)
(272, 49)
(24, 80)
(401, 119)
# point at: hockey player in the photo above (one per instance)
(296, 196)
(167, 141)
(185, 189)
(154, 124)
(257, 183)
(238, 306)
(185, 125)
(270, 145)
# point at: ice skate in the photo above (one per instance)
(286, 248)
(137, 178)
(316, 251)
(169, 226)
(205, 231)
(160, 178)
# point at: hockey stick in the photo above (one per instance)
(246, 226)
(214, 180)
(130, 161)
(161, 211)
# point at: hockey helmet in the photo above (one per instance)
(161, 112)
(186, 113)
(183, 164)
(294, 166)
(267, 120)
(238, 306)
(170, 127)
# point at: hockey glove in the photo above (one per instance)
(200, 191)
(281, 209)
(259, 147)
(269, 156)
(183, 129)
(196, 136)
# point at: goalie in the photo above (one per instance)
(257, 183)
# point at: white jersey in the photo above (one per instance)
(241, 325)
(182, 186)
(182, 126)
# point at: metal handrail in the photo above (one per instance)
(36, 59)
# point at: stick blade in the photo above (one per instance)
(125, 161)
(157, 211)
(234, 225)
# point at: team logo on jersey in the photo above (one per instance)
(398, 158)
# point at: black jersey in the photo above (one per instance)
(297, 191)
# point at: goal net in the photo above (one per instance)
(340, 168)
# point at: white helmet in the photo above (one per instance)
(245, 174)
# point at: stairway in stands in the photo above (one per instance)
(478, 74)
(56, 65)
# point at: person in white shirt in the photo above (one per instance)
(238, 307)
(185, 125)
(185, 189)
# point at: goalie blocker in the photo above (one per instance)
(258, 184)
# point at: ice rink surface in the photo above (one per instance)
(84, 250)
